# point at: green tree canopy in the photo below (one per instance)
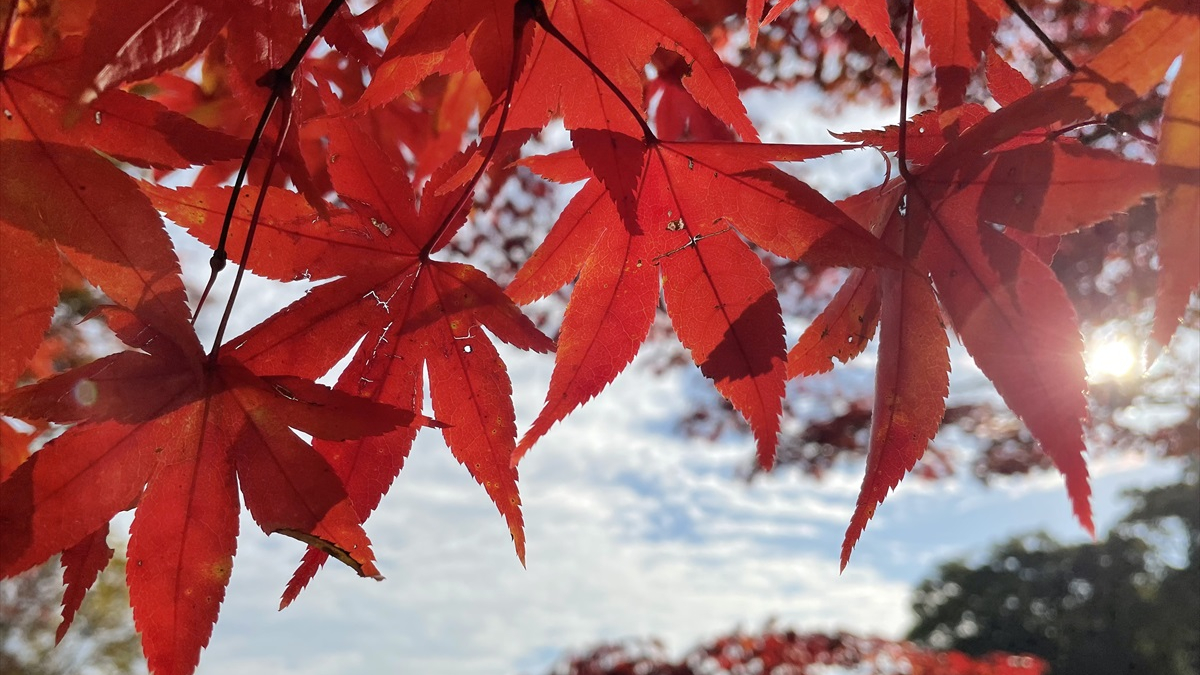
(1129, 603)
(102, 639)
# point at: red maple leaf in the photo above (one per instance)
(614, 40)
(67, 198)
(174, 433)
(872, 15)
(964, 238)
(81, 564)
(847, 324)
(409, 311)
(71, 200)
(677, 209)
(1000, 296)
(958, 33)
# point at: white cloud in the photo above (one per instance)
(631, 531)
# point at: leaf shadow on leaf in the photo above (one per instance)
(817, 232)
(101, 390)
(732, 359)
(19, 531)
(1004, 256)
(952, 82)
(1003, 202)
(1183, 175)
(1082, 97)
(321, 494)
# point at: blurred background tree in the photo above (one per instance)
(1126, 605)
(786, 652)
(101, 641)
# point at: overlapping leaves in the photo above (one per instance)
(961, 241)
(174, 434)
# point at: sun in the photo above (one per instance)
(1111, 358)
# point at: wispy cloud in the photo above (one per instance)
(631, 532)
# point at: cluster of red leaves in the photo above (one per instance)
(787, 651)
(365, 179)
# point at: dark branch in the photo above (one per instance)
(519, 22)
(902, 150)
(543, 20)
(1045, 39)
(279, 82)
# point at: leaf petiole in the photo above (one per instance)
(284, 125)
(279, 82)
(519, 22)
(901, 150)
(543, 20)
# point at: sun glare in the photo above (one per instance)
(1111, 358)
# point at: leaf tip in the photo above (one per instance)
(766, 459)
(852, 535)
(518, 535)
(523, 448)
(1079, 492)
(766, 447)
(1154, 349)
(1083, 511)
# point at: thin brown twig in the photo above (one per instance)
(1118, 122)
(902, 149)
(468, 192)
(279, 82)
(543, 20)
(284, 126)
(216, 263)
(1045, 39)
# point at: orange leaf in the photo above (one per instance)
(1179, 203)
(1125, 70)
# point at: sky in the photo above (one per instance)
(633, 530)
